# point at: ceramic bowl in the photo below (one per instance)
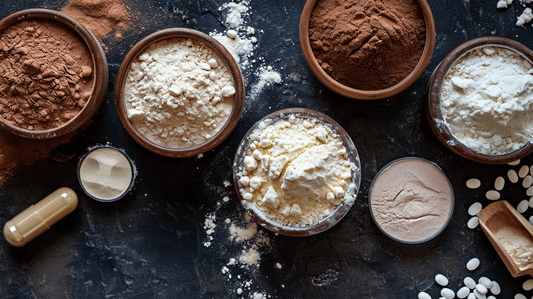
(353, 93)
(452, 201)
(319, 226)
(100, 73)
(433, 103)
(216, 47)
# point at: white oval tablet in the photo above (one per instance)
(524, 170)
(529, 191)
(474, 222)
(441, 280)
(526, 183)
(463, 292)
(472, 264)
(516, 162)
(499, 183)
(492, 195)
(528, 285)
(469, 282)
(481, 289)
(447, 293)
(513, 177)
(423, 295)
(519, 296)
(474, 209)
(495, 289)
(522, 206)
(473, 183)
(485, 281)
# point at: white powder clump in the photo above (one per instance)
(503, 3)
(300, 171)
(518, 245)
(266, 76)
(525, 17)
(486, 100)
(179, 93)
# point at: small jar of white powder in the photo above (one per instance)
(480, 100)
(297, 172)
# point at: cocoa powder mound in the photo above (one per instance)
(46, 74)
(99, 16)
(367, 44)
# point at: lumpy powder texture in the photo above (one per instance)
(411, 200)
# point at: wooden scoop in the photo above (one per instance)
(501, 214)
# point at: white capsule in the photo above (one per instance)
(474, 209)
(479, 295)
(528, 285)
(481, 289)
(499, 183)
(492, 195)
(473, 222)
(514, 162)
(524, 170)
(513, 177)
(485, 281)
(423, 295)
(473, 183)
(463, 292)
(447, 293)
(491, 297)
(471, 296)
(522, 206)
(519, 296)
(529, 191)
(531, 219)
(472, 264)
(495, 289)
(441, 279)
(469, 282)
(526, 183)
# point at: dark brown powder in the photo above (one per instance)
(367, 44)
(46, 74)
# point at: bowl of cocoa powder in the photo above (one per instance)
(53, 74)
(179, 92)
(367, 49)
(297, 172)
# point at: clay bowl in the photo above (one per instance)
(319, 226)
(222, 52)
(433, 104)
(100, 73)
(353, 93)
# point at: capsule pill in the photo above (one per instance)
(474, 209)
(524, 170)
(492, 195)
(447, 293)
(516, 162)
(472, 264)
(423, 295)
(529, 191)
(485, 281)
(528, 285)
(479, 295)
(469, 282)
(513, 177)
(463, 292)
(38, 218)
(522, 206)
(473, 222)
(471, 296)
(531, 202)
(519, 296)
(495, 289)
(473, 183)
(526, 183)
(499, 183)
(441, 280)
(481, 289)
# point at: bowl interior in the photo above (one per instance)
(230, 63)
(353, 93)
(433, 104)
(100, 73)
(319, 226)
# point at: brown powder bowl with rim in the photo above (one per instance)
(433, 101)
(336, 215)
(100, 72)
(216, 47)
(360, 94)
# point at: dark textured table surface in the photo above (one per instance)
(150, 244)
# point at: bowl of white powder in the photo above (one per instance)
(480, 100)
(179, 92)
(297, 172)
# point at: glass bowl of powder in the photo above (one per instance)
(297, 172)
(48, 95)
(179, 92)
(411, 200)
(479, 100)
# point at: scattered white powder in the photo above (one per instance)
(296, 171)
(266, 76)
(503, 3)
(240, 234)
(525, 17)
(250, 256)
(518, 244)
(486, 100)
(179, 93)
(236, 12)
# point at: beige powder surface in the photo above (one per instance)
(411, 200)
(518, 244)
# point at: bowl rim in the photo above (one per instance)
(215, 46)
(452, 199)
(353, 93)
(123, 152)
(433, 101)
(342, 209)
(100, 73)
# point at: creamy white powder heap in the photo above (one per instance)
(179, 93)
(525, 17)
(486, 100)
(518, 245)
(296, 171)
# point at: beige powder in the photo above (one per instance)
(411, 200)
(106, 173)
(518, 244)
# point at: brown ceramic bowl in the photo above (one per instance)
(358, 93)
(100, 73)
(433, 104)
(222, 52)
(319, 226)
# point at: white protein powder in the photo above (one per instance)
(296, 171)
(486, 100)
(179, 93)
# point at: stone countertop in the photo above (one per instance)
(153, 244)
